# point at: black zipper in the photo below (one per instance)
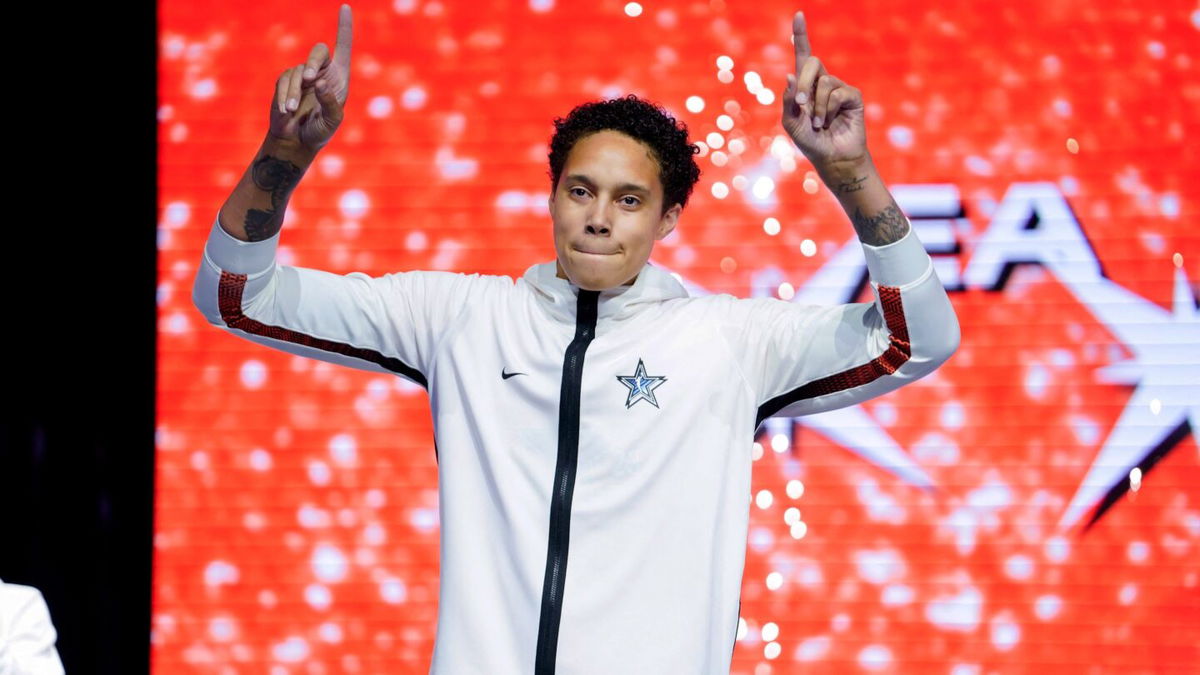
(564, 483)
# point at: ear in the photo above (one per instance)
(667, 223)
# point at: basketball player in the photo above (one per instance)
(593, 423)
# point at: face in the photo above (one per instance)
(608, 211)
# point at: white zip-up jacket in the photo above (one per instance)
(594, 448)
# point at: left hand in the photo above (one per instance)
(822, 114)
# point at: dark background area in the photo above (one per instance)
(77, 436)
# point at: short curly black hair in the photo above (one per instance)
(643, 121)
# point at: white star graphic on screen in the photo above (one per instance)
(641, 386)
(1165, 369)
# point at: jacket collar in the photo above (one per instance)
(559, 296)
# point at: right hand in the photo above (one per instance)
(309, 98)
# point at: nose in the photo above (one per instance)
(598, 218)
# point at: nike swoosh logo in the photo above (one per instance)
(507, 375)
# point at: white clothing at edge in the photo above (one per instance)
(660, 509)
(27, 635)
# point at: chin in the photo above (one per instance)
(592, 274)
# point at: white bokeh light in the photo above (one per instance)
(222, 629)
(633, 9)
(292, 650)
(753, 82)
(329, 564)
(330, 632)
(317, 596)
(414, 98)
(219, 572)
(875, 657)
(694, 104)
(393, 591)
(260, 460)
(343, 449)
(763, 187)
(253, 374)
(354, 204)
(780, 443)
(795, 489)
(319, 473)
(379, 107)
(763, 499)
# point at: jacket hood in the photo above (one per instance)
(559, 296)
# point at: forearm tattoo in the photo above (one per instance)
(853, 185)
(888, 226)
(277, 177)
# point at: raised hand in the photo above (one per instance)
(822, 114)
(309, 98)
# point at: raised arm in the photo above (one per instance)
(811, 359)
(305, 112)
(824, 117)
(391, 324)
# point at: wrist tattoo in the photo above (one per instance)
(887, 226)
(853, 185)
(277, 177)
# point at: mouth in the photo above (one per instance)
(591, 252)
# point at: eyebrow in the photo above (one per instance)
(624, 187)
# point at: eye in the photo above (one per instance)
(578, 191)
(630, 200)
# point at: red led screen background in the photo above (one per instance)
(1045, 151)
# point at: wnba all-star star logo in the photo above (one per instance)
(641, 386)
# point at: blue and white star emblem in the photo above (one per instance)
(641, 386)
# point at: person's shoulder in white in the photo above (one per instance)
(27, 635)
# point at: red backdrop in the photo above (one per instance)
(1042, 148)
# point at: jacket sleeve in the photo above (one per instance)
(806, 359)
(27, 635)
(386, 324)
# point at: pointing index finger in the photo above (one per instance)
(800, 38)
(345, 35)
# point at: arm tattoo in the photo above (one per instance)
(277, 177)
(850, 186)
(888, 226)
